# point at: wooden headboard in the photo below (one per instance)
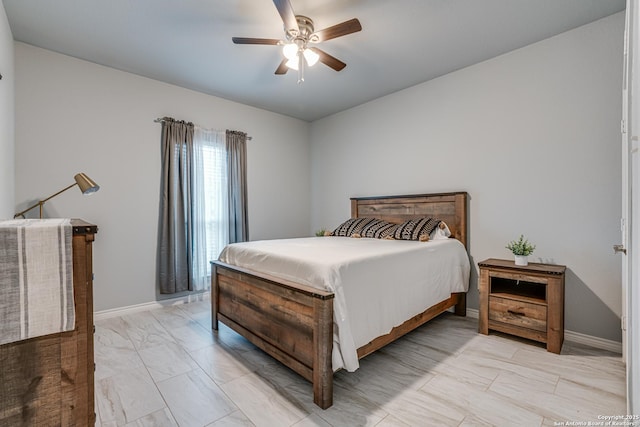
(448, 207)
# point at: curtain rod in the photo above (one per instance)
(160, 120)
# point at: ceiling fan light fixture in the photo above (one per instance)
(292, 63)
(311, 57)
(290, 51)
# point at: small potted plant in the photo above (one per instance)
(521, 249)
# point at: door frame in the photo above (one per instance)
(630, 222)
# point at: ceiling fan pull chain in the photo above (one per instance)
(300, 67)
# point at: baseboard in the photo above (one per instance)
(137, 308)
(472, 312)
(601, 343)
(577, 337)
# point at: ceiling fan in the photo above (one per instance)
(299, 33)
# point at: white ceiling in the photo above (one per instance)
(188, 42)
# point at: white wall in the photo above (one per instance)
(73, 116)
(7, 137)
(532, 135)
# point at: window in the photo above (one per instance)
(210, 202)
(215, 198)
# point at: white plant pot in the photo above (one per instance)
(521, 260)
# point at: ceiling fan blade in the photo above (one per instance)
(286, 13)
(251, 40)
(338, 30)
(282, 68)
(328, 60)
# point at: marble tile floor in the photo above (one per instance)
(165, 367)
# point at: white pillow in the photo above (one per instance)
(440, 233)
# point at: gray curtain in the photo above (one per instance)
(175, 254)
(236, 143)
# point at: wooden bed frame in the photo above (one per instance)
(294, 323)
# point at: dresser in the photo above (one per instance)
(49, 380)
(527, 301)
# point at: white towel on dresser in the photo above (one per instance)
(36, 278)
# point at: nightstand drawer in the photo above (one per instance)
(518, 313)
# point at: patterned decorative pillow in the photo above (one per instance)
(414, 228)
(352, 226)
(377, 229)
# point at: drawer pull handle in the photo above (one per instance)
(515, 313)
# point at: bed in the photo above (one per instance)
(293, 319)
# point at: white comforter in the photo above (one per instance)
(378, 284)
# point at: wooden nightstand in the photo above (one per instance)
(527, 301)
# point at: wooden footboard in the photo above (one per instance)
(291, 322)
(294, 323)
